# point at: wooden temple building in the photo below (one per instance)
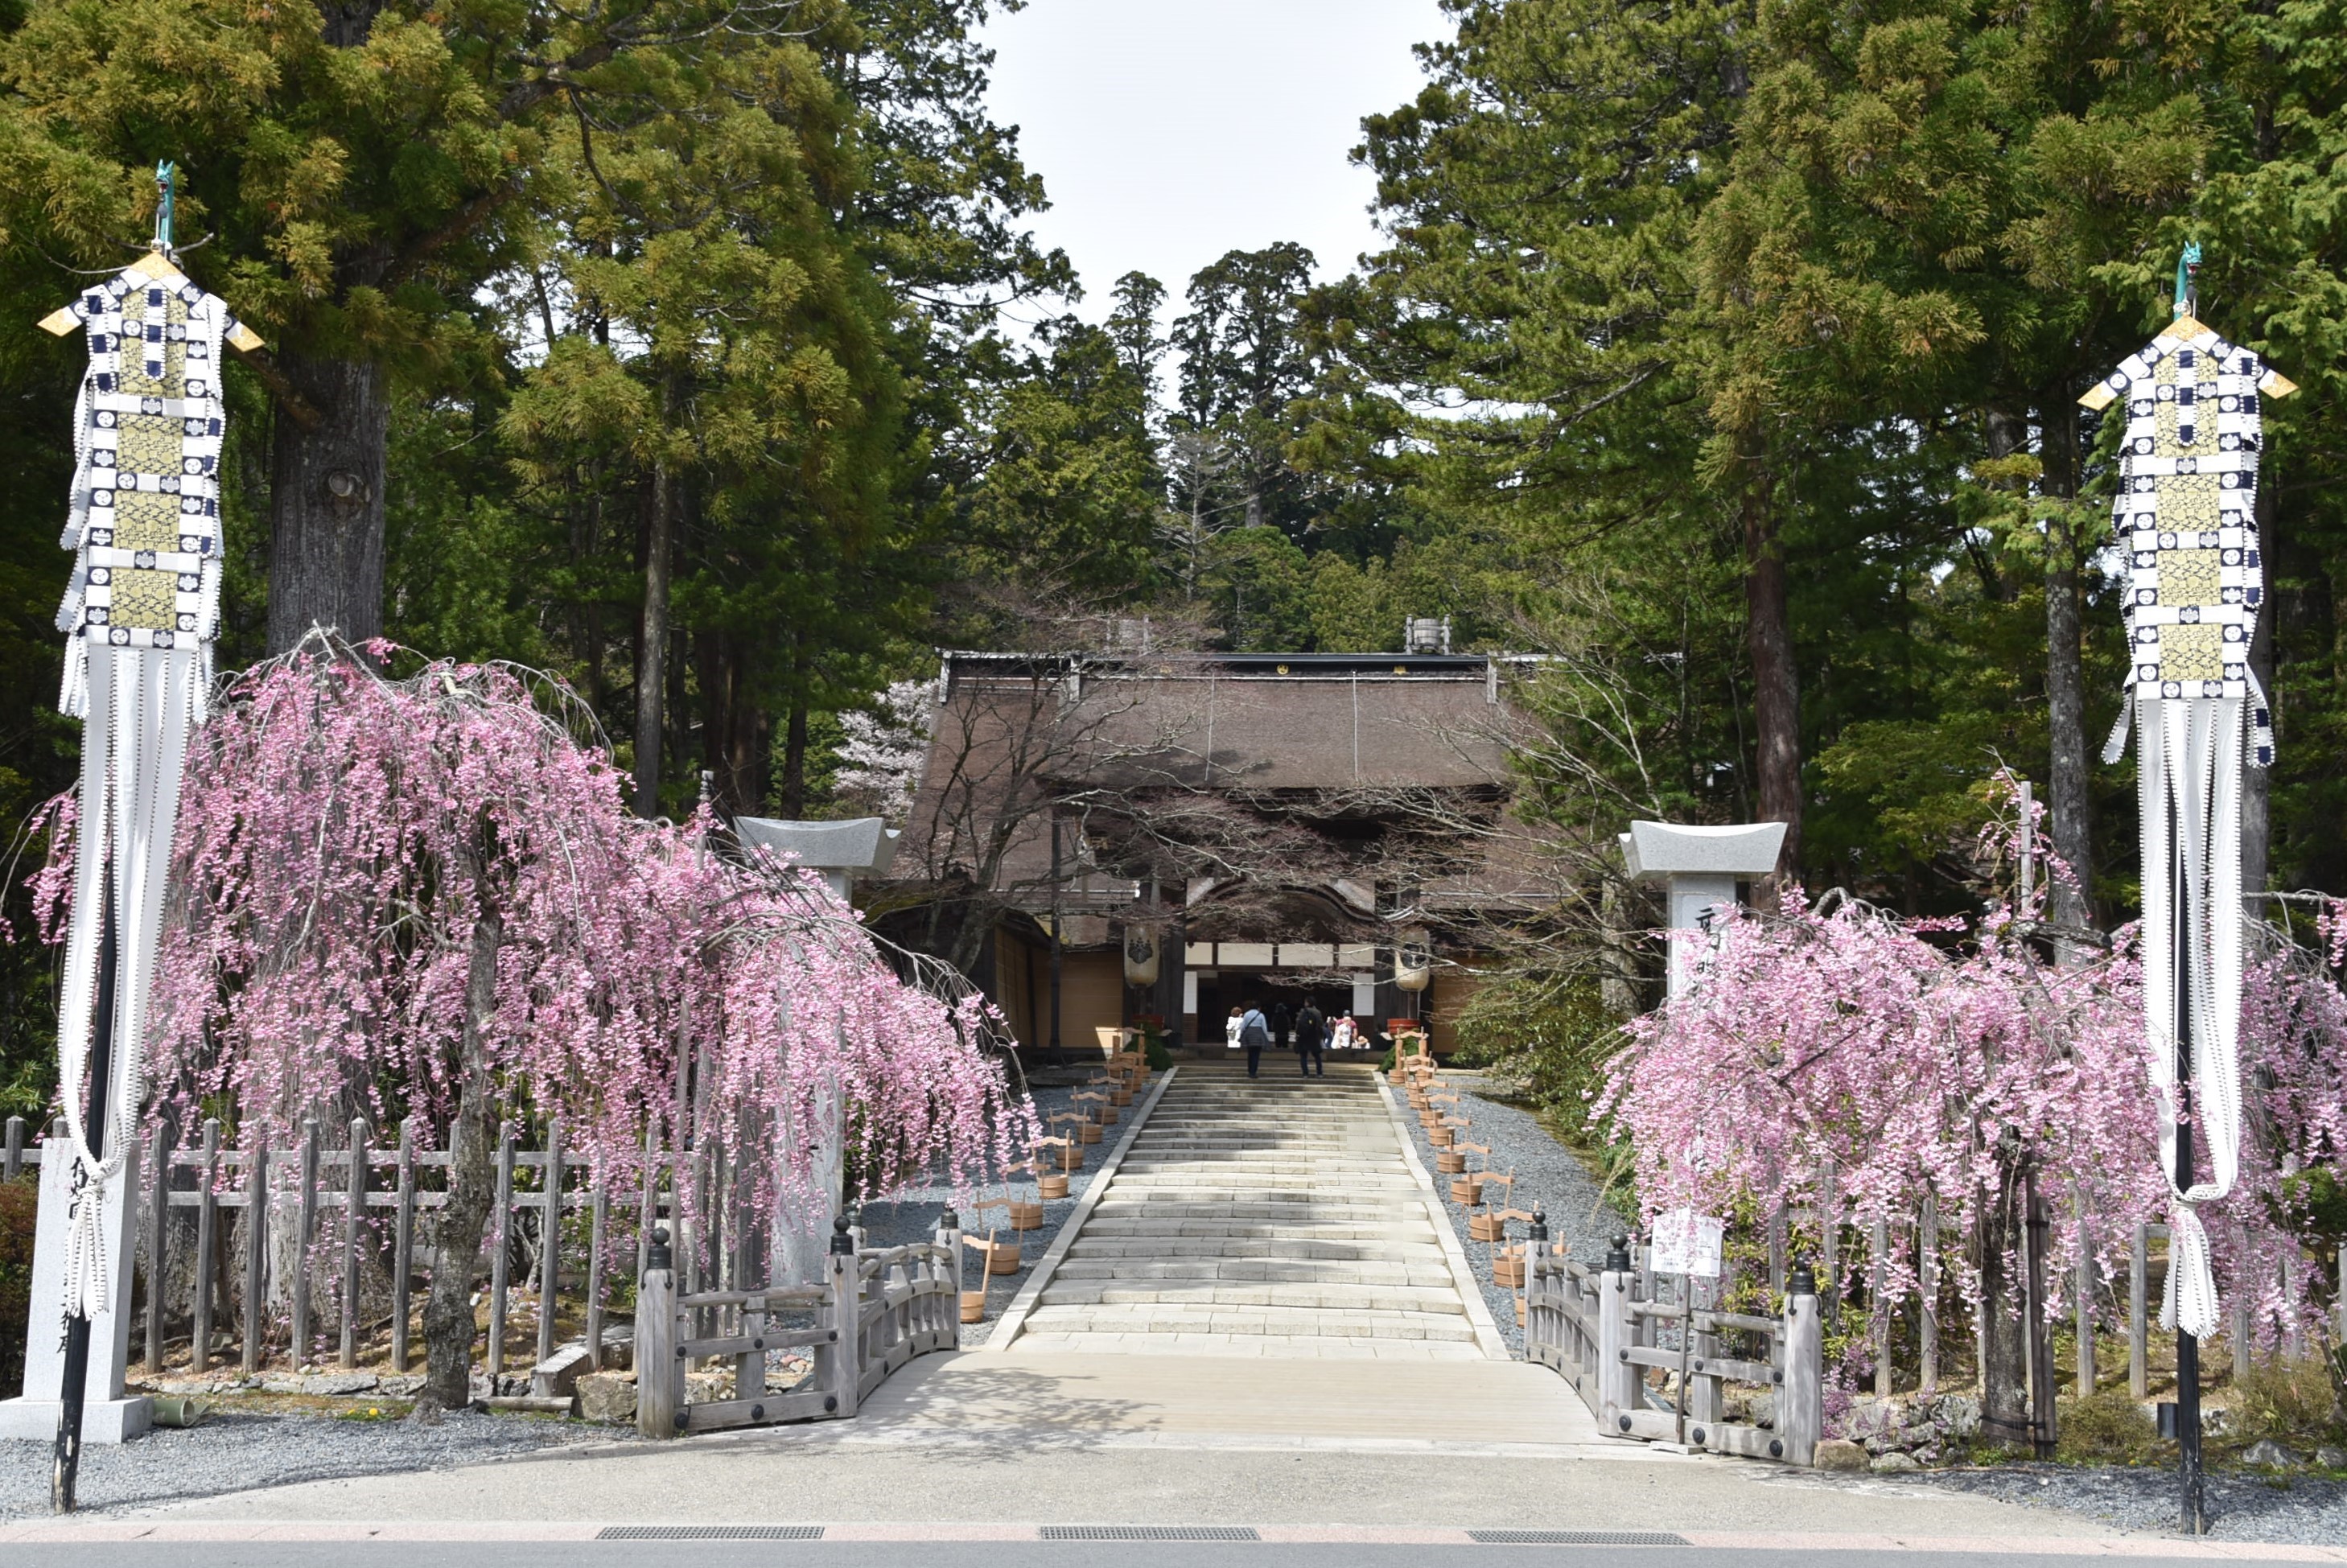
(1098, 840)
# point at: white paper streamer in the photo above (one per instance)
(139, 614)
(2186, 517)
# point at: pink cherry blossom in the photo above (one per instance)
(341, 832)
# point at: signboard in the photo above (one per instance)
(1688, 1243)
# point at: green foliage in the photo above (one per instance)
(2108, 1427)
(2296, 1405)
(18, 1201)
(1551, 1040)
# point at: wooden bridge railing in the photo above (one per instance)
(875, 1311)
(1592, 1326)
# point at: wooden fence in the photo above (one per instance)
(1601, 1329)
(302, 1196)
(875, 1311)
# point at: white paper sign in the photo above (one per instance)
(1688, 1243)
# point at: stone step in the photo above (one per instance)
(1321, 1297)
(1300, 1323)
(1432, 1275)
(1258, 1346)
(1398, 1232)
(1197, 1206)
(1226, 1246)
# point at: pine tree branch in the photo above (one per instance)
(298, 408)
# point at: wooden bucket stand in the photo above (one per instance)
(973, 1302)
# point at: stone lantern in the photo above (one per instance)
(1699, 867)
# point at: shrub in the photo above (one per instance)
(18, 1200)
(2295, 1405)
(2108, 1427)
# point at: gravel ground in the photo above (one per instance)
(1549, 1176)
(913, 1215)
(238, 1451)
(2242, 1507)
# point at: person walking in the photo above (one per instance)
(1283, 1025)
(1311, 1027)
(1346, 1035)
(1255, 1034)
(1231, 1029)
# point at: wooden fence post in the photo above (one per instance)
(354, 1189)
(549, 1241)
(1878, 1266)
(158, 1162)
(2243, 1343)
(844, 1277)
(598, 1245)
(1800, 1402)
(1829, 1243)
(256, 1251)
(500, 1228)
(402, 1246)
(1927, 1278)
(2084, 1309)
(12, 1150)
(2138, 1330)
(660, 1375)
(305, 1231)
(200, 1339)
(1617, 1378)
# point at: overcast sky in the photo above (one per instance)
(1169, 132)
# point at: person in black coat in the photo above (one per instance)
(1283, 1025)
(1311, 1033)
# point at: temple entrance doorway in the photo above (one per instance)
(1217, 994)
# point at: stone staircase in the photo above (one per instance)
(1274, 1217)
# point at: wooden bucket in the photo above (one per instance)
(1119, 1096)
(1486, 1227)
(973, 1306)
(1051, 1185)
(1026, 1216)
(1441, 1137)
(1002, 1257)
(1508, 1269)
(1106, 1114)
(1468, 1189)
(1089, 1133)
(1450, 1162)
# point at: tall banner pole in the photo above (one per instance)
(139, 614)
(65, 1466)
(2186, 520)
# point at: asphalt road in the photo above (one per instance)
(1022, 1554)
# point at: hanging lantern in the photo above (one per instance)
(1140, 956)
(1414, 959)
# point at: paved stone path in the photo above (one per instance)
(1277, 1216)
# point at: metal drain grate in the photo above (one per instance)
(1149, 1533)
(1576, 1538)
(709, 1532)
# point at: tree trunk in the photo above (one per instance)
(795, 749)
(1776, 681)
(2004, 1394)
(652, 660)
(326, 500)
(448, 1327)
(2069, 805)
